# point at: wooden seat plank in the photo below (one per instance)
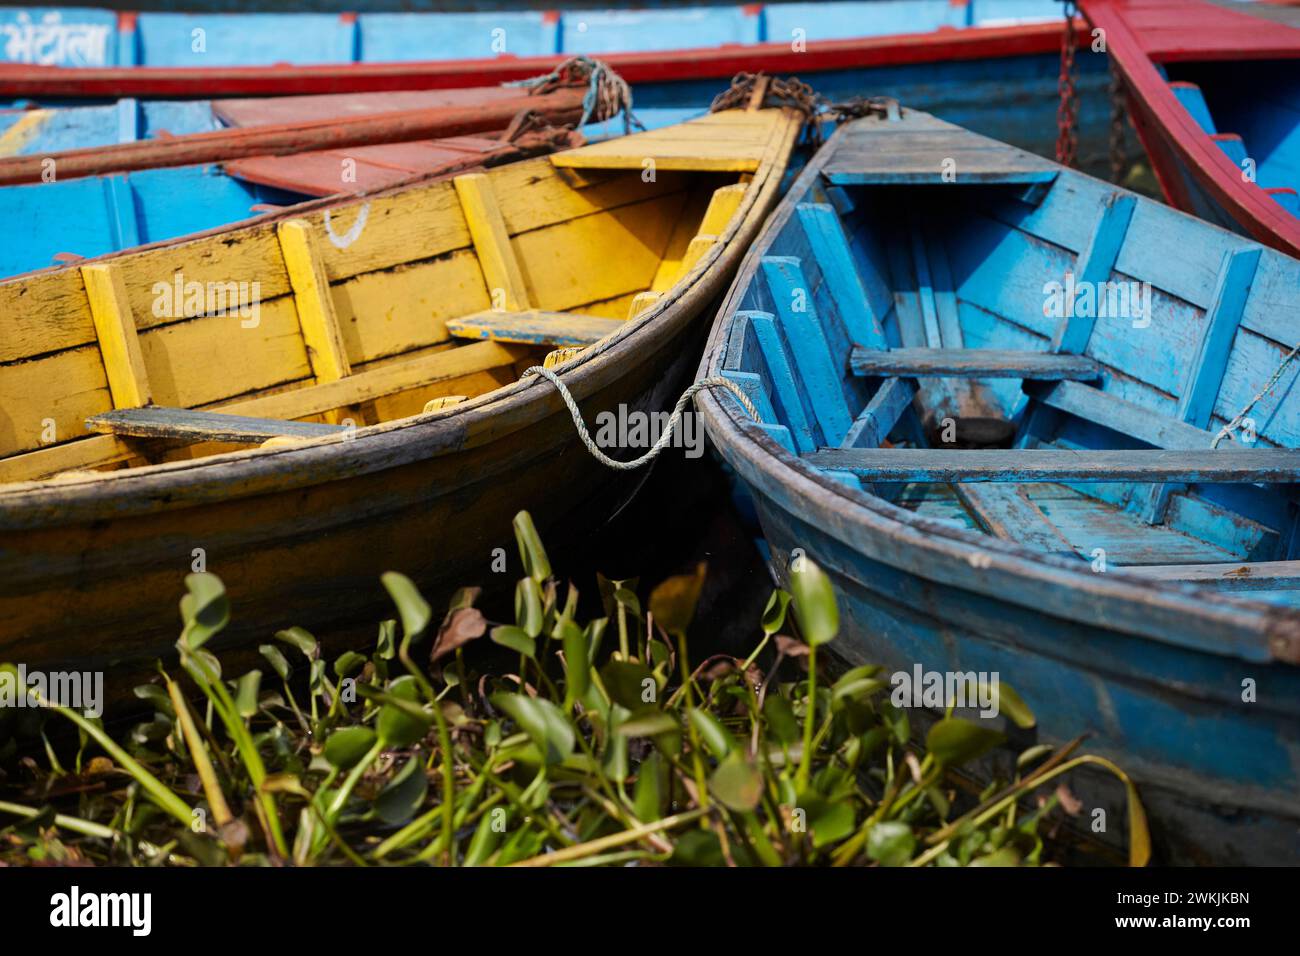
(972, 363)
(1231, 576)
(1273, 465)
(534, 327)
(156, 421)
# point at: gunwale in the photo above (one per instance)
(81, 497)
(1177, 614)
(1165, 127)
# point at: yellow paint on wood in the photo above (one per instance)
(283, 441)
(446, 401)
(119, 343)
(560, 356)
(501, 272)
(642, 302)
(21, 132)
(684, 231)
(696, 251)
(315, 305)
(722, 206)
(726, 142)
(311, 296)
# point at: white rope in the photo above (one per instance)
(665, 439)
(1227, 430)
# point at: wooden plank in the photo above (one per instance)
(1095, 266)
(892, 400)
(697, 250)
(722, 206)
(119, 343)
(487, 228)
(1232, 576)
(1007, 513)
(972, 363)
(1205, 375)
(1118, 414)
(819, 375)
(1273, 465)
(534, 327)
(643, 302)
(194, 426)
(830, 248)
(312, 298)
(751, 384)
(785, 388)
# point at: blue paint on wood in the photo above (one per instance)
(893, 399)
(830, 249)
(786, 392)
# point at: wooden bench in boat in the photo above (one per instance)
(185, 424)
(972, 363)
(1232, 576)
(1273, 465)
(534, 327)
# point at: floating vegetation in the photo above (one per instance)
(600, 743)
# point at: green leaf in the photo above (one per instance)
(649, 724)
(205, 609)
(1007, 856)
(345, 748)
(953, 741)
(737, 783)
(891, 843)
(697, 848)
(246, 693)
(774, 613)
(672, 603)
(486, 838)
(577, 662)
(276, 659)
(528, 607)
(648, 797)
(630, 683)
(402, 795)
(814, 602)
(348, 663)
(399, 726)
(386, 642)
(516, 639)
(1014, 706)
(301, 639)
(716, 738)
(536, 564)
(542, 721)
(413, 609)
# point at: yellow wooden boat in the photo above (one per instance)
(301, 404)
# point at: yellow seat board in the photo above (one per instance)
(734, 141)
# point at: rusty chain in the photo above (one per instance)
(1067, 111)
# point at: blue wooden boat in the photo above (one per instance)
(991, 390)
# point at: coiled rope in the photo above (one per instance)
(607, 93)
(664, 439)
(1227, 430)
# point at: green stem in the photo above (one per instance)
(809, 720)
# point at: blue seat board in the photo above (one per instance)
(1193, 100)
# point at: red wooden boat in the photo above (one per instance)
(1214, 92)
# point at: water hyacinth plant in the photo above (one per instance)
(595, 743)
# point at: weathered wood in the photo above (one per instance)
(972, 363)
(1007, 513)
(892, 400)
(1278, 465)
(501, 272)
(1233, 576)
(187, 425)
(830, 248)
(119, 343)
(534, 327)
(560, 106)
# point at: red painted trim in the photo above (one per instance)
(1173, 137)
(721, 63)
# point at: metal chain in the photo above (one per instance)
(665, 439)
(608, 94)
(1118, 119)
(1067, 111)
